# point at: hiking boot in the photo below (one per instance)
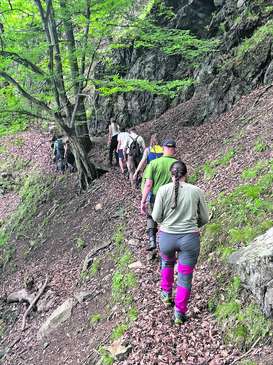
(166, 298)
(179, 318)
(151, 244)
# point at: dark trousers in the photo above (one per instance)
(151, 224)
(112, 149)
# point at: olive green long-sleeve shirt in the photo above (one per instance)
(190, 213)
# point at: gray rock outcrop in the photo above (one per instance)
(221, 79)
(254, 265)
(59, 316)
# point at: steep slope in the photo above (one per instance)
(241, 62)
(67, 227)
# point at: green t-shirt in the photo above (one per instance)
(158, 170)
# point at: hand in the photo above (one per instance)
(143, 208)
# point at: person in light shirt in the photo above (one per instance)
(123, 139)
(180, 209)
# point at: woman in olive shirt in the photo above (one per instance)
(180, 209)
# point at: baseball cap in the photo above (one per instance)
(169, 142)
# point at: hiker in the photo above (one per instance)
(136, 147)
(58, 152)
(157, 173)
(180, 209)
(69, 157)
(123, 137)
(113, 141)
(152, 152)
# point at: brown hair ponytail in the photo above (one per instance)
(178, 170)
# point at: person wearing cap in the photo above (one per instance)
(156, 174)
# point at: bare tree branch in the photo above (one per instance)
(24, 93)
(53, 43)
(23, 61)
(25, 112)
(16, 9)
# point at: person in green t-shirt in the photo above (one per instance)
(156, 174)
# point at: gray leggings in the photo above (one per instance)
(187, 248)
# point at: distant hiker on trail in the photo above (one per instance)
(58, 153)
(113, 141)
(136, 147)
(152, 152)
(123, 138)
(157, 174)
(180, 209)
(69, 157)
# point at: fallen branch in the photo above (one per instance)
(247, 353)
(35, 300)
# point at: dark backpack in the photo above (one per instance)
(135, 150)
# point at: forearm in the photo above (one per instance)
(141, 165)
(147, 189)
(157, 213)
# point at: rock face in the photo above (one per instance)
(254, 265)
(60, 315)
(151, 64)
(221, 79)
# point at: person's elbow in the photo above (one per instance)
(156, 217)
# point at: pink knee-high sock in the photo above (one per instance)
(167, 278)
(181, 299)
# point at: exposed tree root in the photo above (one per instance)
(34, 301)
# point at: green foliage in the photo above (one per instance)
(209, 171)
(224, 252)
(268, 9)
(193, 178)
(225, 159)
(222, 27)
(119, 331)
(36, 189)
(105, 356)
(243, 324)
(96, 266)
(95, 318)
(241, 215)
(247, 362)
(26, 54)
(210, 167)
(18, 141)
(132, 313)
(260, 146)
(119, 236)
(80, 243)
(92, 271)
(173, 41)
(119, 85)
(121, 284)
(258, 37)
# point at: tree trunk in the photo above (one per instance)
(81, 126)
(86, 170)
